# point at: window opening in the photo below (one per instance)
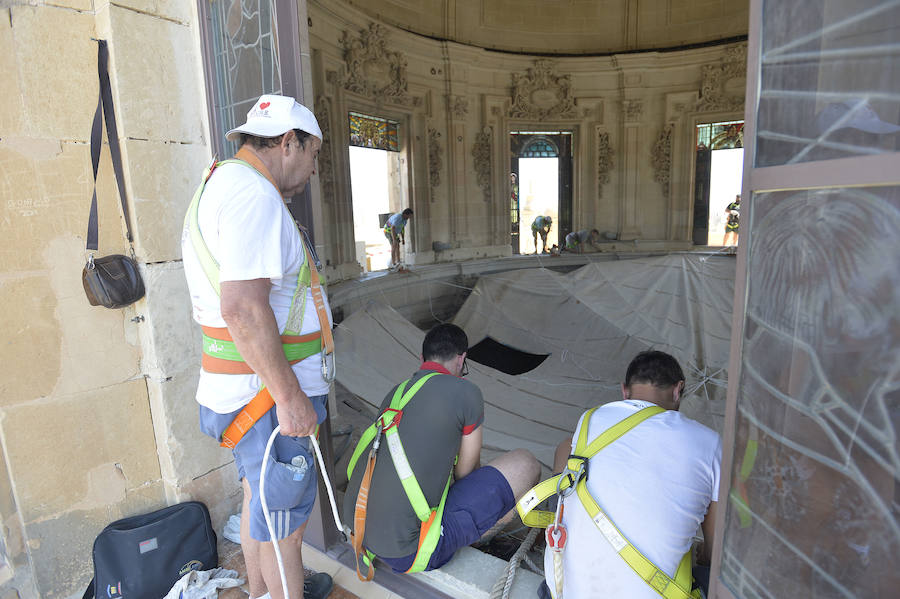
(490, 352)
(376, 186)
(717, 182)
(540, 185)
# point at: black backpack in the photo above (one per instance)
(142, 557)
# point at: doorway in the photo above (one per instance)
(541, 185)
(375, 186)
(717, 178)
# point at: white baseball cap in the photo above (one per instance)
(854, 114)
(273, 115)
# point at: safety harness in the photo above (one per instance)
(574, 477)
(220, 355)
(430, 529)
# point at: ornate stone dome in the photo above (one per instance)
(566, 26)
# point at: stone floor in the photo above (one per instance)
(231, 557)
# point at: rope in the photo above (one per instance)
(504, 583)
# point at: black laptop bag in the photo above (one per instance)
(142, 557)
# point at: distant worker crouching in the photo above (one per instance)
(576, 240)
(541, 226)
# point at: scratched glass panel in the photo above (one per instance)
(814, 505)
(829, 80)
(246, 58)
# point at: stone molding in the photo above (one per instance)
(633, 110)
(604, 161)
(435, 160)
(542, 94)
(661, 158)
(715, 91)
(458, 106)
(325, 159)
(374, 71)
(481, 153)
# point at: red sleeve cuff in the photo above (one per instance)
(469, 429)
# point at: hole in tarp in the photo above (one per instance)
(504, 358)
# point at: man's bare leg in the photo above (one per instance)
(262, 567)
(522, 471)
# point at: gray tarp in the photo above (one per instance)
(591, 322)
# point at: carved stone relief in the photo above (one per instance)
(459, 106)
(481, 152)
(374, 71)
(435, 160)
(604, 161)
(633, 110)
(661, 157)
(542, 94)
(325, 164)
(722, 86)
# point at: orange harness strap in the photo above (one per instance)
(359, 520)
(261, 403)
(221, 366)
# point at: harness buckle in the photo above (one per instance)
(574, 476)
(395, 421)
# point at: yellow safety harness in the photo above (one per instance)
(430, 529)
(575, 477)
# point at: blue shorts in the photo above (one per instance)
(289, 494)
(474, 504)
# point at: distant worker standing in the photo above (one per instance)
(576, 240)
(733, 212)
(393, 230)
(542, 226)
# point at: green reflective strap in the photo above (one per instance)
(192, 224)
(364, 441)
(398, 454)
(227, 350)
(423, 555)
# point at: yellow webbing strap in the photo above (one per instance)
(677, 588)
(547, 488)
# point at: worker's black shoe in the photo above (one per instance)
(317, 586)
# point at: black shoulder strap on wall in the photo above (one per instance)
(105, 107)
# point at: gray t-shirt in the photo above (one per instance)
(433, 423)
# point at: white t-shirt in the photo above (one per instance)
(251, 234)
(396, 220)
(655, 483)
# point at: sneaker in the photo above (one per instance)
(317, 586)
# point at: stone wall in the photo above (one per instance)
(98, 418)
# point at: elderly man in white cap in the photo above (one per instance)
(266, 332)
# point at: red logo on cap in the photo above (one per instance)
(264, 105)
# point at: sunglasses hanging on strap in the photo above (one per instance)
(110, 281)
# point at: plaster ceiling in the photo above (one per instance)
(566, 26)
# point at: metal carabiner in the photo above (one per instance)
(328, 373)
(574, 476)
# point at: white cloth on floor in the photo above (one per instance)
(204, 584)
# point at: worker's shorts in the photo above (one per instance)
(474, 504)
(290, 493)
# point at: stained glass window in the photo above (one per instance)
(720, 136)
(373, 132)
(246, 58)
(540, 148)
